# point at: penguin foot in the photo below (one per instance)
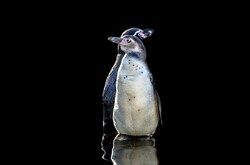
(123, 137)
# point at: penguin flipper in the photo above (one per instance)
(158, 100)
(159, 105)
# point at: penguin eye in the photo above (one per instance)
(129, 40)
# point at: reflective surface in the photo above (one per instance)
(127, 150)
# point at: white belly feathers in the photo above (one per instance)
(135, 110)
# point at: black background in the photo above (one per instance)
(69, 57)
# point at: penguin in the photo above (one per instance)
(137, 105)
(109, 90)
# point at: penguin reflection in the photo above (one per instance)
(107, 145)
(134, 151)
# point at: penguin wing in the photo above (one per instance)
(158, 100)
(159, 105)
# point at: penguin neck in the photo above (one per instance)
(137, 55)
(138, 51)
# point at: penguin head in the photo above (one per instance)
(140, 33)
(129, 44)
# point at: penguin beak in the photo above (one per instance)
(116, 40)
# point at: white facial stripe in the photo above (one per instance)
(138, 31)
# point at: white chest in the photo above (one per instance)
(135, 110)
(134, 78)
